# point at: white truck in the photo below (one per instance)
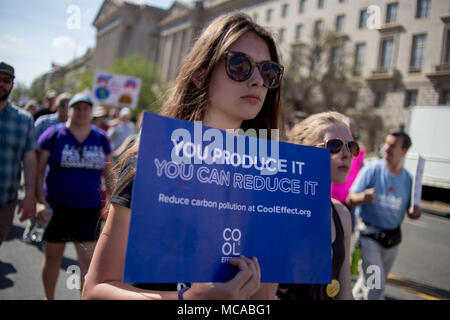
(429, 129)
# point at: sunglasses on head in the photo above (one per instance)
(240, 66)
(335, 146)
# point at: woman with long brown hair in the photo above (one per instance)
(230, 80)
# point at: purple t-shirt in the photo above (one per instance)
(74, 178)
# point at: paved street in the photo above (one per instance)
(20, 269)
(421, 271)
(422, 268)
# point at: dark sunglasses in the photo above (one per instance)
(239, 67)
(6, 80)
(335, 146)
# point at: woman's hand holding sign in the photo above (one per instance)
(245, 284)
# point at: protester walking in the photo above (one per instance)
(130, 140)
(229, 80)
(78, 154)
(329, 130)
(47, 106)
(17, 146)
(46, 121)
(382, 195)
(125, 128)
(31, 107)
(43, 123)
(99, 115)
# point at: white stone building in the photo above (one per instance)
(399, 49)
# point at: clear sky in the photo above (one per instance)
(35, 33)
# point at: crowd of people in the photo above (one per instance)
(231, 79)
(65, 147)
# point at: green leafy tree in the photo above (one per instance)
(137, 66)
(19, 90)
(38, 88)
(57, 84)
(85, 81)
(134, 66)
(319, 78)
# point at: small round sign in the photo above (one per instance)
(333, 288)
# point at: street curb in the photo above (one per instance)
(433, 211)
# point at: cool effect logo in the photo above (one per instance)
(231, 247)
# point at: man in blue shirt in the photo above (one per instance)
(46, 121)
(382, 195)
(17, 144)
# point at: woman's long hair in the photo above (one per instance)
(188, 101)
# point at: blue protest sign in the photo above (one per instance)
(202, 196)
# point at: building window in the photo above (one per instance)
(315, 60)
(360, 53)
(387, 53)
(423, 8)
(284, 10)
(341, 1)
(447, 53)
(298, 32)
(301, 6)
(269, 15)
(318, 28)
(320, 4)
(353, 99)
(363, 16)
(380, 97)
(445, 97)
(418, 50)
(335, 61)
(282, 32)
(296, 57)
(340, 23)
(411, 98)
(391, 13)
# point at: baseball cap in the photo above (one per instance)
(79, 97)
(125, 112)
(99, 111)
(6, 68)
(50, 94)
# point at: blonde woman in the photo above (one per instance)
(329, 130)
(230, 80)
